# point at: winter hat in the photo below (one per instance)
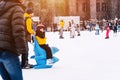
(40, 25)
(29, 11)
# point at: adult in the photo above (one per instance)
(12, 41)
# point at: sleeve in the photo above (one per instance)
(18, 30)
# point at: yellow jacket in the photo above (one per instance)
(41, 41)
(29, 24)
(62, 24)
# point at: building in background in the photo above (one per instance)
(86, 9)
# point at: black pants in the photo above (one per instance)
(24, 58)
(48, 50)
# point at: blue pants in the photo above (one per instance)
(10, 68)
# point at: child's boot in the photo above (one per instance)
(49, 62)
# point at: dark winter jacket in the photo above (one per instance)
(40, 36)
(12, 31)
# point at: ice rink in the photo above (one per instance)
(85, 57)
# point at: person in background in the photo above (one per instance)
(29, 32)
(90, 26)
(115, 27)
(72, 29)
(61, 28)
(12, 41)
(107, 31)
(41, 38)
(97, 28)
(78, 29)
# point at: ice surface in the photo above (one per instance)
(86, 57)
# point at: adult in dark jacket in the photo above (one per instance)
(12, 39)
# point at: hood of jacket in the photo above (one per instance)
(6, 5)
(26, 15)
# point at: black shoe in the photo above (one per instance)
(61, 37)
(27, 66)
(106, 37)
(78, 35)
(72, 37)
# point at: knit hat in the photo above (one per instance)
(40, 25)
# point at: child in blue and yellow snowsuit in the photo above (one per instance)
(41, 38)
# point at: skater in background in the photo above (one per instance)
(118, 27)
(90, 26)
(41, 38)
(72, 29)
(54, 27)
(69, 25)
(115, 27)
(78, 29)
(61, 25)
(97, 28)
(107, 31)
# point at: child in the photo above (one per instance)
(41, 38)
(61, 29)
(107, 32)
